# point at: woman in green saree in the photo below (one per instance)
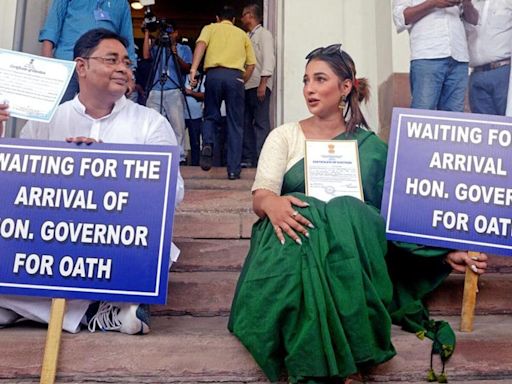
(321, 286)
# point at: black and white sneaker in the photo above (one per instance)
(132, 319)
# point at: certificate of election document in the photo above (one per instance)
(33, 85)
(332, 169)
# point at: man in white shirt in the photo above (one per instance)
(259, 86)
(439, 53)
(99, 113)
(489, 43)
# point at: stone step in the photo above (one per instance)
(472, 361)
(492, 298)
(214, 207)
(215, 178)
(216, 200)
(184, 349)
(203, 281)
(220, 184)
(210, 255)
(189, 172)
(229, 255)
(198, 294)
(211, 293)
(214, 214)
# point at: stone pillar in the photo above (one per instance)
(7, 20)
(363, 27)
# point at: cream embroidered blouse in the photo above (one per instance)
(285, 145)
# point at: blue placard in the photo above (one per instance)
(91, 222)
(448, 180)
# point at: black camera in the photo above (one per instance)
(153, 24)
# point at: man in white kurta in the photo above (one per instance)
(99, 113)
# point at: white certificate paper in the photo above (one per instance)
(332, 169)
(33, 85)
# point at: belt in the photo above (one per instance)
(493, 65)
(224, 68)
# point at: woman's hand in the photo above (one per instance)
(458, 260)
(285, 218)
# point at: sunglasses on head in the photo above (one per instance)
(329, 50)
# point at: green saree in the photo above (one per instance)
(323, 310)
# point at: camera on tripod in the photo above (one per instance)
(153, 24)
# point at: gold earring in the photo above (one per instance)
(341, 105)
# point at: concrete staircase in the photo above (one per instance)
(189, 342)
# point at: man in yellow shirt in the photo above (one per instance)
(229, 62)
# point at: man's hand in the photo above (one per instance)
(192, 78)
(260, 92)
(47, 48)
(417, 12)
(4, 113)
(248, 72)
(82, 140)
(458, 260)
(446, 3)
(199, 52)
(4, 116)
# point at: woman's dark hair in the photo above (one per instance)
(89, 41)
(343, 66)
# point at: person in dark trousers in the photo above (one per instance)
(229, 63)
(258, 88)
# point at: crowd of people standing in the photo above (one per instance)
(239, 69)
(446, 38)
(224, 101)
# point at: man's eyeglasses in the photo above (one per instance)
(111, 60)
(329, 50)
(245, 13)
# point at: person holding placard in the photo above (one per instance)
(99, 113)
(320, 286)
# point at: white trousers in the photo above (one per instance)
(38, 309)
